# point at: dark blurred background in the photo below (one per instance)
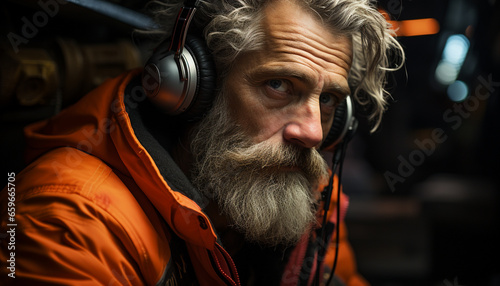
(424, 188)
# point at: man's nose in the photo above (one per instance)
(304, 127)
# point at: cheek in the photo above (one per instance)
(242, 109)
(259, 123)
(252, 116)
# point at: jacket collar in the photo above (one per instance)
(157, 135)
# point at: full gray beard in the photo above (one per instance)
(258, 187)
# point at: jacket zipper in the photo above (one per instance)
(231, 265)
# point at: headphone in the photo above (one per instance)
(180, 79)
(180, 76)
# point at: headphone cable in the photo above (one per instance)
(337, 160)
(337, 226)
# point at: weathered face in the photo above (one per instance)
(255, 151)
(287, 92)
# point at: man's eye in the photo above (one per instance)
(328, 99)
(279, 85)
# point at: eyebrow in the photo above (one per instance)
(263, 72)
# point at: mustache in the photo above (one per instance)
(277, 156)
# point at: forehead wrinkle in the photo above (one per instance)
(297, 40)
(300, 37)
(319, 57)
(287, 52)
(329, 66)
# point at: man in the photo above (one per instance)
(118, 193)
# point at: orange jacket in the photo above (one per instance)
(93, 208)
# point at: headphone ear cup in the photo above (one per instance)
(342, 119)
(205, 90)
(188, 99)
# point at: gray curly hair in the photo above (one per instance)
(231, 27)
